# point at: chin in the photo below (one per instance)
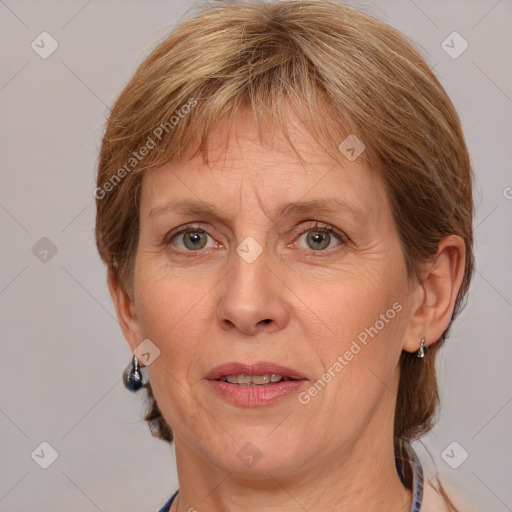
(256, 453)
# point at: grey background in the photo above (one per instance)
(62, 351)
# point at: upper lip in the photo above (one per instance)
(257, 368)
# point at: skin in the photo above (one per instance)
(292, 306)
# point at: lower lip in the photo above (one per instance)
(255, 396)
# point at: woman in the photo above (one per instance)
(284, 205)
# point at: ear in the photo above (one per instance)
(436, 294)
(125, 311)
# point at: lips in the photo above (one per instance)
(254, 369)
(258, 384)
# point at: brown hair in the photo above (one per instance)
(341, 72)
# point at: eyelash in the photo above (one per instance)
(323, 228)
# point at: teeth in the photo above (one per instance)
(260, 379)
(247, 380)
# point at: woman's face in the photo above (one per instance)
(319, 289)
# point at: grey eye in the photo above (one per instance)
(194, 240)
(318, 240)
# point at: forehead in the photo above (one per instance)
(252, 167)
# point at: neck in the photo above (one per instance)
(349, 492)
(357, 478)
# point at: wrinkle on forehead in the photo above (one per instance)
(244, 163)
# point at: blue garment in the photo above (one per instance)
(167, 506)
(417, 479)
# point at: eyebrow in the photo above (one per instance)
(202, 208)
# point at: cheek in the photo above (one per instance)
(350, 305)
(174, 314)
(356, 335)
(170, 304)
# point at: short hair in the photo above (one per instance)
(342, 72)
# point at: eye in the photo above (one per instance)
(320, 238)
(191, 239)
(317, 238)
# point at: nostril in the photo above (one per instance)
(267, 321)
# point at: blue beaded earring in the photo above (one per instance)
(132, 376)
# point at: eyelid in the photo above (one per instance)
(320, 226)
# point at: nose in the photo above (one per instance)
(253, 298)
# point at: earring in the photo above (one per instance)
(421, 350)
(132, 376)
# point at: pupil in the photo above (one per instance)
(318, 237)
(194, 238)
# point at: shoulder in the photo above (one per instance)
(433, 500)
